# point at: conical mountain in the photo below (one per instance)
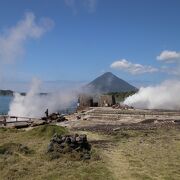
(108, 82)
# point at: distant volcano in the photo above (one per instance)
(108, 82)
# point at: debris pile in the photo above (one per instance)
(69, 144)
(122, 106)
(54, 117)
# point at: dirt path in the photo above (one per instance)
(111, 153)
(117, 163)
(139, 155)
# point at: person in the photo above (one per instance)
(4, 121)
(46, 112)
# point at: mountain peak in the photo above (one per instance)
(108, 82)
(107, 73)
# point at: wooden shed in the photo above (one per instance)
(106, 100)
(85, 100)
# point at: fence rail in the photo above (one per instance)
(4, 120)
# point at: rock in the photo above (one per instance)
(69, 144)
(116, 129)
(68, 140)
(78, 117)
(86, 156)
(50, 147)
(78, 139)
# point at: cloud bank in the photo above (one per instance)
(127, 66)
(171, 66)
(12, 41)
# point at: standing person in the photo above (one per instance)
(47, 113)
(4, 121)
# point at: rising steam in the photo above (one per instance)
(163, 96)
(34, 105)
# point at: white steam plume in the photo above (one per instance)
(12, 41)
(34, 105)
(163, 96)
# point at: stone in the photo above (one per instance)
(69, 144)
(50, 147)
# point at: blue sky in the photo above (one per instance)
(78, 40)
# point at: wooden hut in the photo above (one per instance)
(106, 100)
(85, 101)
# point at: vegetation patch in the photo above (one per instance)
(47, 131)
(149, 154)
(125, 154)
(129, 134)
(9, 130)
(38, 165)
(12, 148)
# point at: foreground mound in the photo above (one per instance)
(47, 131)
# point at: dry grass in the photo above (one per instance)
(141, 154)
(130, 154)
(37, 165)
(146, 155)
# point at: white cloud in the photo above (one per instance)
(169, 56)
(172, 60)
(90, 5)
(13, 40)
(132, 68)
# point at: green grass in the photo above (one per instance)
(128, 154)
(10, 148)
(23, 156)
(151, 154)
(47, 131)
